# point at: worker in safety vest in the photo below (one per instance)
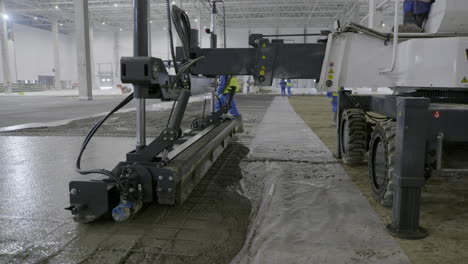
(416, 13)
(289, 86)
(226, 86)
(283, 84)
(248, 85)
(224, 92)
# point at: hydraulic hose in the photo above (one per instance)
(182, 25)
(90, 136)
(171, 40)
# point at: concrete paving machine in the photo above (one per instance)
(168, 169)
(404, 134)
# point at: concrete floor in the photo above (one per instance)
(311, 211)
(34, 174)
(16, 110)
(444, 204)
(288, 197)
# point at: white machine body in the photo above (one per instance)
(353, 60)
(356, 60)
(440, 63)
(448, 16)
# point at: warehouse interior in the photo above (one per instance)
(233, 131)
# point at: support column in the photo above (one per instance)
(375, 14)
(116, 58)
(408, 176)
(356, 15)
(213, 36)
(57, 68)
(83, 49)
(5, 49)
(201, 31)
(94, 70)
(374, 20)
(140, 49)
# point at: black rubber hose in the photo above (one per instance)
(182, 25)
(90, 136)
(171, 40)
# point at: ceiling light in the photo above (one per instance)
(151, 22)
(103, 23)
(56, 7)
(164, 28)
(196, 20)
(115, 5)
(61, 25)
(121, 29)
(35, 18)
(173, 2)
(5, 16)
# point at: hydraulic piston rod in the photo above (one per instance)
(140, 49)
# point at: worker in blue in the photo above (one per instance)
(283, 85)
(248, 85)
(227, 85)
(334, 103)
(416, 13)
(289, 86)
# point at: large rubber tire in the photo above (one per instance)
(382, 162)
(353, 136)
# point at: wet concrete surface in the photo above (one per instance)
(123, 124)
(15, 110)
(34, 174)
(277, 186)
(82, 120)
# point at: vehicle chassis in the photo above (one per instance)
(424, 121)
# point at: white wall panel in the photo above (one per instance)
(34, 48)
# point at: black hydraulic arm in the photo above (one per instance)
(264, 62)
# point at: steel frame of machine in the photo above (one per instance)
(421, 126)
(166, 170)
(405, 140)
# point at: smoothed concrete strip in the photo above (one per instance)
(311, 211)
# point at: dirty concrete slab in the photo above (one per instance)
(310, 212)
(34, 174)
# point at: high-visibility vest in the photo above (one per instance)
(233, 82)
(289, 84)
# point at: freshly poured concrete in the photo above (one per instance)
(34, 174)
(26, 112)
(16, 110)
(304, 207)
(311, 211)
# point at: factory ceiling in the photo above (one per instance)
(117, 14)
